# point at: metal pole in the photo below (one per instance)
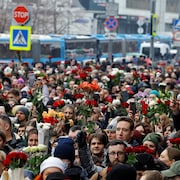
(110, 51)
(153, 5)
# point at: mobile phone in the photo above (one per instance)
(31, 79)
(133, 107)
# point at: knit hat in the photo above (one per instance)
(52, 162)
(155, 92)
(21, 81)
(144, 162)
(24, 110)
(65, 149)
(122, 171)
(112, 125)
(174, 170)
(56, 176)
(154, 137)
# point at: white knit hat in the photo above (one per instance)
(52, 162)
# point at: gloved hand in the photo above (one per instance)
(81, 139)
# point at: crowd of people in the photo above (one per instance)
(106, 120)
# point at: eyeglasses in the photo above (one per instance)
(116, 153)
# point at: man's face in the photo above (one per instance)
(96, 146)
(116, 154)
(123, 131)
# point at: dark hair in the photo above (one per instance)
(116, 142)
(100, 136)
(127, 119)
(6, 119)
(15, 92)
(32, 131)
(3, 136)
(75, 128)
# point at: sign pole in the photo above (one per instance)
(152, 35)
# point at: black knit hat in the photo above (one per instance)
(55, 176)
(122, 171)
(144, 162)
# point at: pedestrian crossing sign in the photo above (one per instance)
(20, 38)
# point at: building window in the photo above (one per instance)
(172, 6)
(138, 4)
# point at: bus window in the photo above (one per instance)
(131, 46)
(117, 47)
(50, 49)
(5, 53)
(80, 48)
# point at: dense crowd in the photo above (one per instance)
(96, 120)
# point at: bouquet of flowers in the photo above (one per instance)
(14, 162)
(132, 152)
(15, 159)
(52, 116)
(175, 142)
(36, 155)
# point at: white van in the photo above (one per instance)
(161, 50)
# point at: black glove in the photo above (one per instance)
(81, 139)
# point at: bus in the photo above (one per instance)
(43, 48)
(53, 47)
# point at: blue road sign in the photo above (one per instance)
(20, 38)
(176, 24)
(111, 23)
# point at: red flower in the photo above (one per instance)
(82, 75)
(58, 103)
(87, 102)
(58, 62)
(139, 149)
(79, 96)
(167, 103)
(124, 104)
(159, 101)
(94, 103)
(88, 69)
(111, 76)
(144, 107)
(51, 120)
(15, 159)
(175, 141)
(109, 99)
(74, 71)
(25, 64)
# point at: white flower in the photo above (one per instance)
(42, 147)
(116, 102)
(78, 101)
(105, 79)
(152, 103)
(34, 149)
(27, 149)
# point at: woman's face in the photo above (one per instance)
(150, 145)
(167, 131)
(165, 158)
(33, 140)
(69, 113)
